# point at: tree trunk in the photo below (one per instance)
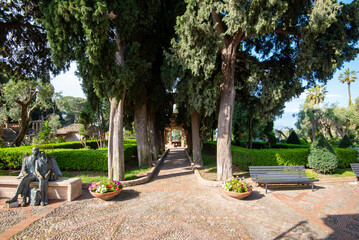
(350, 98)
(161, 140)
(189, 142)
(226, 106)
(116, 159)
(250, 145)
(23, 127)
(152, 133)
(314, 127)
(143, 147)
(196, 143)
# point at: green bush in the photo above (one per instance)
(346, 156)
(244, 158)
(293, 138)
(345, 142)
(286, 145)
(322, 157)
(78, 145)
(67, 159)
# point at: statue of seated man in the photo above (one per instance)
(46, 169)
(43, 172)
(28, 175)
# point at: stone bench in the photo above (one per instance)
(61, 189)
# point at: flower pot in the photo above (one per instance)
(236, 195)
(106, 196)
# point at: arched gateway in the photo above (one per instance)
(175, 141)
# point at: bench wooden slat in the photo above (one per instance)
(355, 168)
(279, 175)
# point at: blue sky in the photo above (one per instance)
(337, 93)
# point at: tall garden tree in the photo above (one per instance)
(24, 49)
(348, 77)
(21, 98)
(101, 36)
(316, 94)
(302, 30)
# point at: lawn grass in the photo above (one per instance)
(89, 176)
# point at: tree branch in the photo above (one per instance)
(217, 21)
(18, 25)
(280, 31)
(31, 97)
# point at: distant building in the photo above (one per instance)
(69, 133)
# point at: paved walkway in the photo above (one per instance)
(174, 206)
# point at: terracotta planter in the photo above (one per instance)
(106, 196)
(236, 195)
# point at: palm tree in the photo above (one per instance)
(316, 94)
(348, 77)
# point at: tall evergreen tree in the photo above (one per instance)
(24, 49)
(300, 30)
(102, 36)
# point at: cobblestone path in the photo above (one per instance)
(174, 206)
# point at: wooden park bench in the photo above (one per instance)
(280, 175)
(355, 167)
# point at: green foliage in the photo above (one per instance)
(13, 92)
(345, 142)
(44, 135)
(286, 145)
(244, 158)
(293, 138)
(67, 159)
(322, 157)
(346, 156)
(268, 157)
(24, 50)
(11, 157)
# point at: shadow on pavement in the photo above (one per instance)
(344, 226)
(274, 188)
(254, 196)
(126, 194)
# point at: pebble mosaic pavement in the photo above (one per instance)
(173, 205)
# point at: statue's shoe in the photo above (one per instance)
(23, 203)
(14, 199)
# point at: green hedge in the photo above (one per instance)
(68, 159)
(244, 158)
(78, 145)
(288, 145)
(83, 159)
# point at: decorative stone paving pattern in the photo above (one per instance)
(174, 206)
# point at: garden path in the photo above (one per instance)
(173, 205)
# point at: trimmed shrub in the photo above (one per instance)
(345, 142)
(244, 158)
(286, 145)
(293, 138)
(322, 157)
(346, 156)
(67, 159)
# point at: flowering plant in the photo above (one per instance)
(105, 186)
(237, 185)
